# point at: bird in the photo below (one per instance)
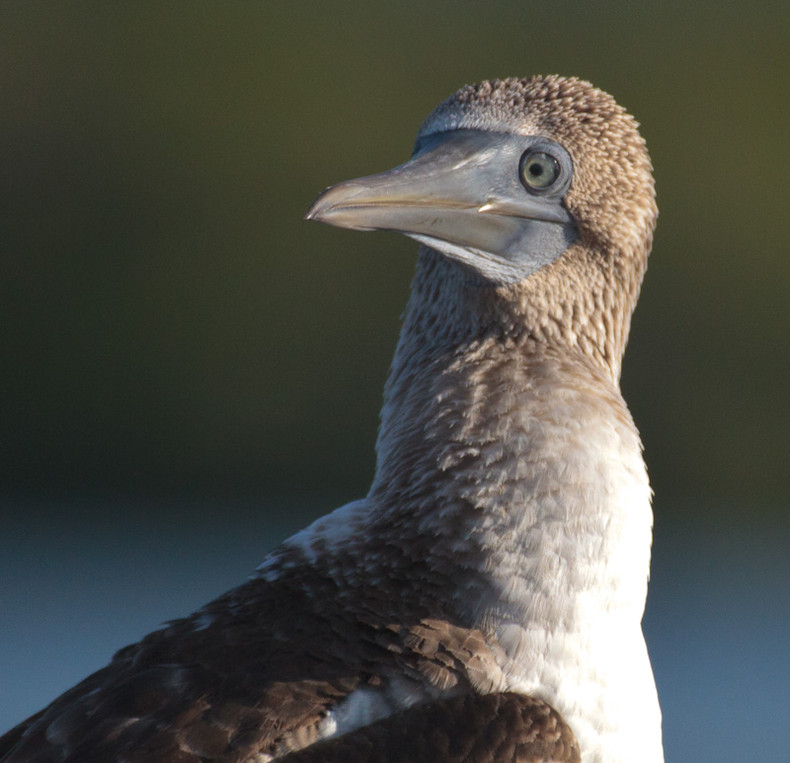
(484, 601)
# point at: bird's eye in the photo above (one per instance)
(538, 170)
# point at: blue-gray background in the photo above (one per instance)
(190, 372)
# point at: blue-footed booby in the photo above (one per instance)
(484, 601)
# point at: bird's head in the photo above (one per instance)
(507, 175)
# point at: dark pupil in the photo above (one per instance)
(535, 169)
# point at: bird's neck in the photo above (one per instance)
(480, 370)
(492, 435)
(516, 464)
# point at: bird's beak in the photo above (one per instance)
(459, 194)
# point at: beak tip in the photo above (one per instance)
(317, 212)
(321, 207)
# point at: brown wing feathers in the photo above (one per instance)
(244, 683)
(474, 728)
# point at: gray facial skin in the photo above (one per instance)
(461, 194)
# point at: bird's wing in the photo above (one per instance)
(473, 728)
(241, 675)
(256, 672)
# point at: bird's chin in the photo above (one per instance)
(536, 245)
(484, 268)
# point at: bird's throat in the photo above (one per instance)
(516, 453)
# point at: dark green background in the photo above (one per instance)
(180, 350)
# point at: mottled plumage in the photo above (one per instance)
(483, 602)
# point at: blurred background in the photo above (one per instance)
(190, 372)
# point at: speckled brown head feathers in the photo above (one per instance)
(612, 196)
